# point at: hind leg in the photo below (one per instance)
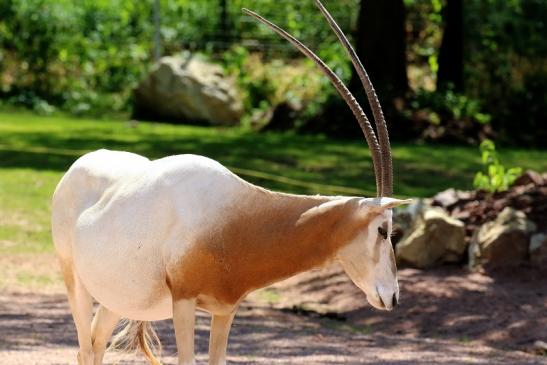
(102, 327)
(81, 306)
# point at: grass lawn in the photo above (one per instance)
(35, 151)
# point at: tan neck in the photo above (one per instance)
(267, 237)
(291, 234)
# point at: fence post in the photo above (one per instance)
(157, 30)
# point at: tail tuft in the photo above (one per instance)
(138, 335)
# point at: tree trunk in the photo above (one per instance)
(451, 52)
(381, 45)
(223, 21)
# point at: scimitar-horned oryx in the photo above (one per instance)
(150, 240)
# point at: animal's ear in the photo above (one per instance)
(334, 210)
(384, 203)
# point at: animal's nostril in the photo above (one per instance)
(394, 300)
(381, 300)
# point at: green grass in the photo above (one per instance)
(35, 151)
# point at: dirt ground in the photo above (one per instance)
(502, 309)
(448, 316)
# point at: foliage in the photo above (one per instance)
(265, 85)
(295, 17)
(424, 34)
(454, 105)
(506, 65)
(448, 116)
(496, 177)
(86, 57)
(79, 56)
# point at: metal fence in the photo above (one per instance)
(226, 25)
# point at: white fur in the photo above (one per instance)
(122, 218)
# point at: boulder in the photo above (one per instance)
(538, 250)
(405, 215)
(188, 89)
(433, 238)
(502, 242)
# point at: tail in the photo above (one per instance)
(138, 335)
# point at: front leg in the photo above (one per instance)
(218, 338)
(184, 318)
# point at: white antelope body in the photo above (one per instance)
(151, 240)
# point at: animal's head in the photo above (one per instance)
(369, 259)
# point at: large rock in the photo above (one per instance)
(502, 242)
(188, 89)
(405, 215)
(433, 238)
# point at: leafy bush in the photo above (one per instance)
(266, 85)
(80, 56)
(449, 116)
(86, 56)
(495, 177)
(506, 65)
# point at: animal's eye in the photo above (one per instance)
(382, 232)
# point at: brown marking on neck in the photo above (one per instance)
(264, 238)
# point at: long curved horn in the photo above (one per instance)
(381, 127)
(342, 90)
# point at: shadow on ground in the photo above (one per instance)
(38, 329)
(502, 309)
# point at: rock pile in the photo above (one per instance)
(528, 195)
(500, 229)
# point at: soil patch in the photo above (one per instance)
(439, 308)
(502, 309)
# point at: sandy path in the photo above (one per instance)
(37, 329)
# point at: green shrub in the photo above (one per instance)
(265, 85)
(506, 66)
(86, 56)
(495, 177)
(448, 116)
